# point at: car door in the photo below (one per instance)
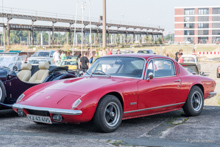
(163, 89)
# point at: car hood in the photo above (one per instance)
(84, 84)
(63, 93)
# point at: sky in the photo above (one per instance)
(148, 12)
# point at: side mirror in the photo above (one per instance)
(150, 76)
(194, 73)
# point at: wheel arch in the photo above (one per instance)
(200, 86)
(115, 93)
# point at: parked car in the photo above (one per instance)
(71, 63)
(191, 63)
(146, 52)
(42, 56)
(116, 88)
(11, 61)
(218, 72)
(122, 51)
(13, 84)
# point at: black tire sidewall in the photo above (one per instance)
(188, 109)
(99, 117)
(2, 98)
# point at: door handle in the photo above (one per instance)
(177, 81)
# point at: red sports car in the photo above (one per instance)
(116, 88)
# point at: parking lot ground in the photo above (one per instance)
(169, 129)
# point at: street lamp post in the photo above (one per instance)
(82, 37)
(104, 25)
(90, 35)
(75, 38)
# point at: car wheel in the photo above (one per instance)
(194, 103)
(218, 75)
(108, 115)
(2, 93)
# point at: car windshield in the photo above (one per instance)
(41, 54)
(145, 52)
(70, 57)
(118, 66)
(6, 61)
(68, 63)
(189, 60)
(37, 61)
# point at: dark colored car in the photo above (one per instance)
(13, 84)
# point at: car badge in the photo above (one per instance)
(47, 97)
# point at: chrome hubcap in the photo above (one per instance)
(196, 101)
(0, 93)
(112, 114)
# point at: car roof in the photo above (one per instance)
(189, 56)
(45, 50)
(145, 50)
(145, 56)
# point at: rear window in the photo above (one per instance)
(191, 69)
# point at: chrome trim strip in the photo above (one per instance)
(153, 108)
(212, 94)
(51, 110)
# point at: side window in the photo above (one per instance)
(164, 68)
(150, 68)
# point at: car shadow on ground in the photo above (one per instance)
(7, 113)
(89, 127)
(206, 74)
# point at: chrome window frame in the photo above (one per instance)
(154, 71)
(142, 76)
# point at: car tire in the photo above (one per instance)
(2, 93)
(195, 102)
(108, 115)
(218, 75)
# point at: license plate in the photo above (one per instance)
(41, 119)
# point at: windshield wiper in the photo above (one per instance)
(101, 73)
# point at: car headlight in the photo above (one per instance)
(76, 103)
(20, 98)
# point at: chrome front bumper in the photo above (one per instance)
(50, 110)
(212, 94)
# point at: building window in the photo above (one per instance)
(202, 40)
(215, 32)
(216, 25)
(189, 19)
(203, 25)
(203, 18)
(216, 39)
(189, 11)
(216, 11)
(189, 25)
(203, 32)
(215, 18)
(203, 11)
(189, 32)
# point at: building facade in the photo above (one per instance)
(198, 25)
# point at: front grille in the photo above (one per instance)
(37, 112)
